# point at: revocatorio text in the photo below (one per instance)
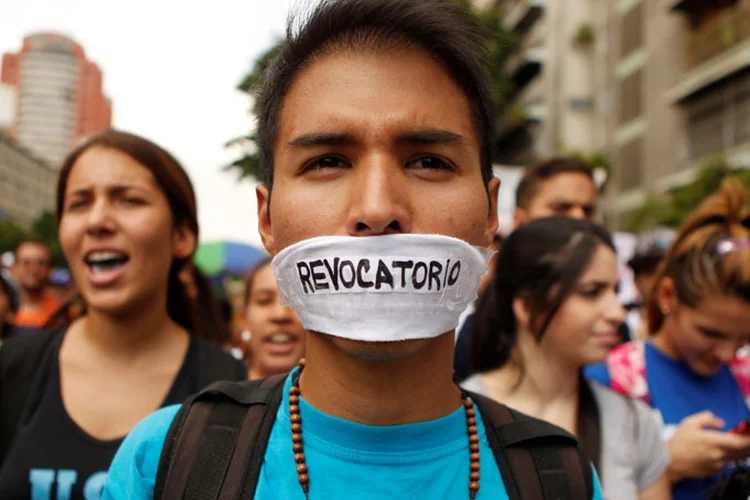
(363, 274)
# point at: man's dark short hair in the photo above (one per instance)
(443, 29)
(33, 241)
(536, 175)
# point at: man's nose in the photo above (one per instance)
(380, 198)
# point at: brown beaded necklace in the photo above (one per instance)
(299, 454)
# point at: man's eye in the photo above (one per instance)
(430, 163)
(325, 162)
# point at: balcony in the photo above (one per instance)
(524, 66)
(520, 15)
(715, 51)
(718, 35)
(519, 116)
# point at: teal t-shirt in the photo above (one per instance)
(345, 459)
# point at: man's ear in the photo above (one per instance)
(520, 217)
(493, 188)
(263, 197)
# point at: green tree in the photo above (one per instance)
(11, 235)
(673, 207)
(500, 46)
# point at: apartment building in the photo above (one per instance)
(59, 95)
(681, 73)
(558, 74)
(27, 183)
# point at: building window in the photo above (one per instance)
(719, 119)
(630, 164)
(631, 30)
(631, 97)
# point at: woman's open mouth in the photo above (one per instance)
(105, 267)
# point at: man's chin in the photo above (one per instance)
(377, 351)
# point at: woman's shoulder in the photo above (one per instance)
(26, 348)
(614, 407)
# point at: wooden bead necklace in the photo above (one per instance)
(299, 455)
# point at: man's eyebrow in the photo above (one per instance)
(322, 139)
(429, 137)
(415, 137)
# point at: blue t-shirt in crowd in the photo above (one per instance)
(678, 392)
(345, 459)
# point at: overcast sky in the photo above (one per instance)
(170, 68)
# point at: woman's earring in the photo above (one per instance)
(665, 310)
(246, 336)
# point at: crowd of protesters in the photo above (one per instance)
(140, 384)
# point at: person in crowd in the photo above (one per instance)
(8, 309)
(553, 309)
(127, 224)
(688, 369)
(649, 251)
(558, 186)
(375, 133)
(33, 263)
(277, 338)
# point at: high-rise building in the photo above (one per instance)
(59, 95)
(557, 75)
(682, 90)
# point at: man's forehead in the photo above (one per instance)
(344, 92)
(572, 186)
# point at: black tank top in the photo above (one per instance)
(52, 458)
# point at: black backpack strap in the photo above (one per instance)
(216, 443)
(537, 460)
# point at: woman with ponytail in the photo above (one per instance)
(551, 309)
(128, 225)
(689, 369)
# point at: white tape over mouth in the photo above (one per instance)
(380, 288)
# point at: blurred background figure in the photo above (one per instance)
(8, 308)
(551, 309)
(649, 252)
(33, 263)
(274, 339)
(559, 186)
(128, 226)
(688, 369)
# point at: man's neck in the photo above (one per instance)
(394, 392)
(32, 299)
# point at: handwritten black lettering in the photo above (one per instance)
(363, 267)
(403, 265)
(304, 277)
(383, 276)
(347, 282)
(415, 280)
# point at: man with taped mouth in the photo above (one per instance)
(375, 132)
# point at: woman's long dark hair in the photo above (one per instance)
(541, 262)
(177, 188)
